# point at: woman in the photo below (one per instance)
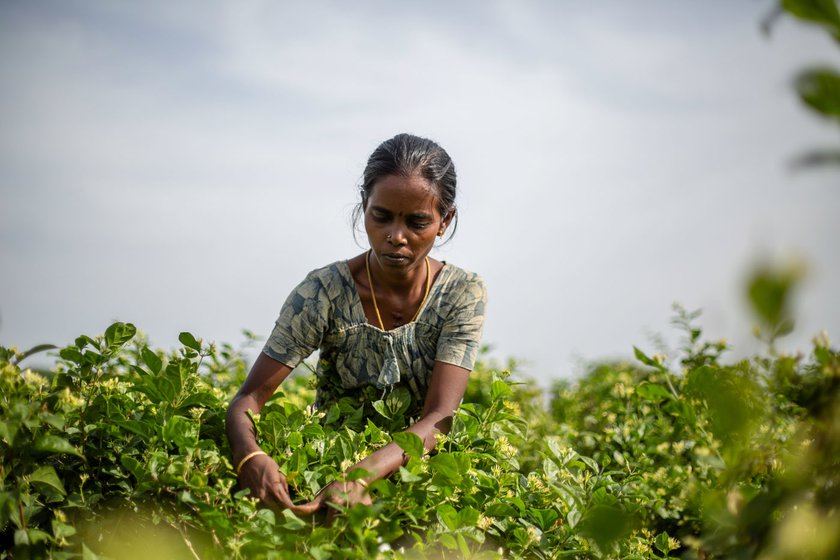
(390, 317)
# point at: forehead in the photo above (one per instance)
(404, 195)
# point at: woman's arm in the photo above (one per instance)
(260, 473)
(446, 389)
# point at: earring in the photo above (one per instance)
(440, 233)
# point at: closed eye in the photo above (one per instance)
(380, 216)
(417, 224)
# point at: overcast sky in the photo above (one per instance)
(182, 165)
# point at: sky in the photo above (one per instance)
(183, 165)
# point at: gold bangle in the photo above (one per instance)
(247, 458)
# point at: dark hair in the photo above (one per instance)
(406, 154)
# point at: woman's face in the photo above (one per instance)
(402, 220)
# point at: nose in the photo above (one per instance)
(396, 235)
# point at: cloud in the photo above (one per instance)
(182, 165)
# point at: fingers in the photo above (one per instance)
(270, 487)
(280, 495)
(346, 494)
(263, 477)
(306, 509)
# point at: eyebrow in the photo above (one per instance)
(418, 216)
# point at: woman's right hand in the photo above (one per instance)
(261, 474)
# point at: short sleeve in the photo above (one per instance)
(300, 328)
(460, 336)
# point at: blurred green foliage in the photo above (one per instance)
(818, 87)
(122, 446)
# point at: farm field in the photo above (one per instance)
(120, 450)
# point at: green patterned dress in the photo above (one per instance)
(360, 360)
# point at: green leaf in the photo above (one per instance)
(398, 402)
(407, 476)
(410, 443)
(573, 518)
(151, 360)
(177, 372)
(35, 350)
(445, 468)
(645, 359)
(823, 355)
(661, 542)
(312, 431)
(447, 515)
(322, 552)
(84, 340)
(357, 473)
(62, 530)
(88, 554)
(448, 541)
(769, 292)
(293, 522)
(500, 509)
(551, 470)
(820, 90)
(606, 524)
(37, 536)
(333, 414)
(734, 401)
(653, 392)
(21, 537)
(499, 389)
(8, 433)
(55, 420)
(294, 440)
(544, 518)
(784, 328)
(188, 340)
(558, 450)
(822, 12)
(203, 399)
(72, 354)
(590, 462)
(181, 431)
(118, 334)
(93, 358)
(47, 477)
(55, 444)
(380, 407)
(133, 466)
(299, 461)
(468, 517)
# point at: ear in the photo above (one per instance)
(444, 223)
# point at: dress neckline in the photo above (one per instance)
(359, 309)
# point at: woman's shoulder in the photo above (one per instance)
(333, 278)
(462, 285)
(457, 275)
(330, 272)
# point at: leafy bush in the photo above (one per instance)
(122, 445)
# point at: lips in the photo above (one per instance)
(395, 257)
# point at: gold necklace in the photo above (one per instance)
(373, 293)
